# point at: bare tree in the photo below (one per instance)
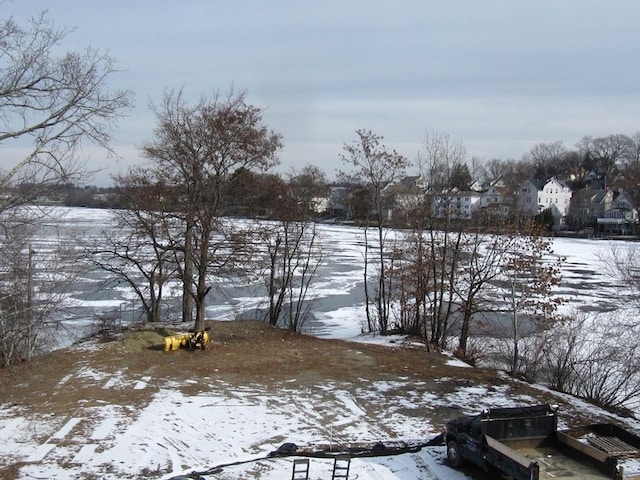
(17, 323)
(137, 250)
(546, 159)
(530, 274)
(56, 101)
(197, 150)
(427, 261)
(308, 187)
(440, 159)
(633, 157)
(480, 266)
(53, 104)
(630, 169)
(574, 166)
(292, 248)
(378, 167)
(412, 269)
(595, 357)
(493, 170)
(605, 153)
(622, 261)
(35, 277)
(309, 258)
(293, 259)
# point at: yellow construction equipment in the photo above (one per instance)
(192, 341)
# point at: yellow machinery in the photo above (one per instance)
(187, 340)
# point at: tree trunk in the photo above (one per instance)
(370, 322)
(383, 313)
(187, 281)
(201, 287)
(514, 360)
(464, 330)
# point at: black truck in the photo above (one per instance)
(524, 443)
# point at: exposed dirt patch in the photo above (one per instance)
(240, 352)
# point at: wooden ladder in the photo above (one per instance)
(300, 469)
(341, 464)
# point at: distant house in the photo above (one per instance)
(621, 218)
(413, 182)
(320, 205)
(458, 204)
(495, 196)
(478, 186)
(498, 182)
(407, 194)
(498, 200)
(411, 186)
(528, 192)
(337, 202)
(536, 196)
(587, 206)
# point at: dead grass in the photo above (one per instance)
(241, 353)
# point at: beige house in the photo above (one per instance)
(587, 206)
(621, 218)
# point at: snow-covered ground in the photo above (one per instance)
(225, 425)
(181, 433)
(174, 433)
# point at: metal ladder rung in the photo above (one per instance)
(341, 464)
(300, 469)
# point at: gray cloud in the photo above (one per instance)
(499, 75)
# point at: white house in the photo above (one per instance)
(528, 197)
(456, 203)
(535, 196)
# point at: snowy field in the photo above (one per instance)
(179, 433)
(223, 426)
(175, 433)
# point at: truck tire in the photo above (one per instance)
(453, 454)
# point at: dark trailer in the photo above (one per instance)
(525, 444)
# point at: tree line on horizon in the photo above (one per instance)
(612, 161)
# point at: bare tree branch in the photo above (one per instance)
(57, 102)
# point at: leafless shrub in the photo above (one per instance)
(474, 354)
(34, 278)
(596, 358)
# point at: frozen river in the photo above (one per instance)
(338, 294)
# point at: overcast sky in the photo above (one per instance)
(500, 76)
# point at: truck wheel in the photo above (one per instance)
(453, 454)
